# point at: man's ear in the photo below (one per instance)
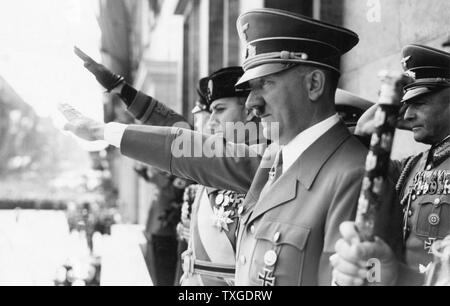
(315, 84)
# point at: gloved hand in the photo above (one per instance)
(367, 123)
(103, 75)
(350, 263)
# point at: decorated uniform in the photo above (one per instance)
(425, 191)
(424, 181)
(210, 258)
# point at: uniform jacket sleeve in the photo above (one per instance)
(396, 168)
(185, 154)
(152, 112)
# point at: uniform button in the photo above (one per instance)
(277, 236)
(243, 260)
(437, 201)
(410, 213)
(414, 197)
(429, 167)
(252, 229)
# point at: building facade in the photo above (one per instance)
(126, 28)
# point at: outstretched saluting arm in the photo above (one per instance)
(181, 152)
(141, 106)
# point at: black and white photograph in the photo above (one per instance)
(224, 143)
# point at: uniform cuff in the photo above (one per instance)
(114, 133)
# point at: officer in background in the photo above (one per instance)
(423, 181)
(160, 230)
(297, 194)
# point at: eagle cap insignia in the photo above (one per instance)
(244, 30)
(404, 62)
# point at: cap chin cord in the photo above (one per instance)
(283, 55)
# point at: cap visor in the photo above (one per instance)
(416, 93)
(344, 97)
(260, 71)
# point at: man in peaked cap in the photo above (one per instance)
(297, 196)
(277, 40)
(430, 69)
(423, 181)
(292, 69)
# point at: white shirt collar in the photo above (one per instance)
(292, 151)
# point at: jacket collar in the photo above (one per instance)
(313, 159)
(305, 170)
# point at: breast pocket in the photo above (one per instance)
(278, 257)
(433, 218)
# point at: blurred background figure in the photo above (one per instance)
(350, 107)
(163, 217)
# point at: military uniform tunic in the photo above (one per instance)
(426, 205)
